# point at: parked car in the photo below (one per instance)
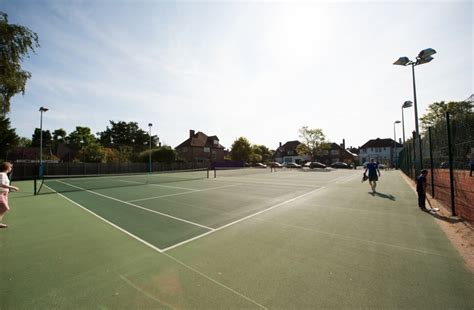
(276, 164)
(314, 164)
(340, 165)
(291, 165)
(259, 165)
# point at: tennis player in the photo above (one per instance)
(373, 169)
(5, 188)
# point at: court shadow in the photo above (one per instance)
(382, 195)
(448, 219)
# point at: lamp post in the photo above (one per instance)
(423, 57)
(42, 109)
(405, 105)
(149, 157)
(395, 144)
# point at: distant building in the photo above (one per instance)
(336, 153)
(201, 148)
(384, 151)
(286, 153)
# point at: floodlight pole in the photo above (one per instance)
(149, 155)
(394, 159)
(41, 110)
(405, 105)
(418, 135)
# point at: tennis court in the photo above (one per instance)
(245, 239)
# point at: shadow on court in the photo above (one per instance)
(382, 195)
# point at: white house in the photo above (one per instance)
(384, 151)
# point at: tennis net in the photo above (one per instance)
(236, 171)
(71, 183)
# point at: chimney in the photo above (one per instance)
(280, 144)
(191, 133)
(344, 144)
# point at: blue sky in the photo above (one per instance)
(261, 70)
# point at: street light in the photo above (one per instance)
(149, 157)
(423, 57)
(394, 160)
(405, 105)
(42, 109)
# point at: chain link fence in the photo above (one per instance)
(447, 150)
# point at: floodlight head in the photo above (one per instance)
(397, 122)
(426, 53)
(407, 104)
(150, 124)
(402, 61)
(43, 109)
(421, 61)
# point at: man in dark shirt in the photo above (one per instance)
(373, 169)
(421, 189)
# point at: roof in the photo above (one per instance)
(380, 143)
(200, 139)
(290, 145)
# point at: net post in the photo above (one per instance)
(207, 173)
(215, 172)
(34, 187)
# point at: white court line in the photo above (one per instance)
(137, 206)
(243, 219)
(108, 222)
(161, 251)
(179, 194)
(159, 185)
(246, 181)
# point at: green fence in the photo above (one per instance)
(447, 149)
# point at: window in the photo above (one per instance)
(290, 152)
(334, 152)
(207, 149)
(216, 142)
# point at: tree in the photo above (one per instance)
(241, 149)
(81, 137)
(162, 154)
(15, 43)
(36, 138)
(260, 153)
(122, 133)
(24, 142)
(59, 137)
(436, 111)
(8, 137)
(313, 140)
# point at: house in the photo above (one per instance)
(384, 151)
(286, 153)
(336, 153)
(200, 148)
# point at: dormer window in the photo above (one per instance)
(216, 142)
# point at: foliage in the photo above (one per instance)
(163, 154)
(313, 140)
(24, 142)
(36, 138)
(81, 137)
(8, 137)
(436, 112)
(123, 133)
(263, 152)
(92, 153)
(15, 43)
(241, 149)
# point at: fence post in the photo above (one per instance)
(431, 163)
(451, 172)
(414, 155)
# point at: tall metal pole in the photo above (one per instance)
(41, 143)
(403, 126)
(149, 157)
(419, 166)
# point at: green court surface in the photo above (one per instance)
(284, 240)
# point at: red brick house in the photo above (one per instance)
(200, 148)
